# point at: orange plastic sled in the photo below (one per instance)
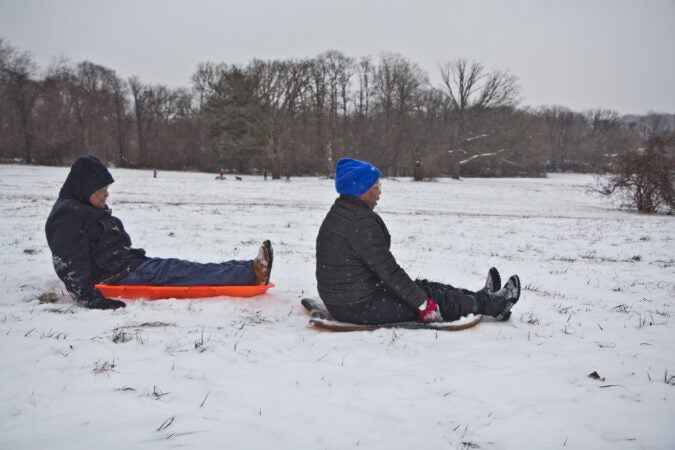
(179, 292)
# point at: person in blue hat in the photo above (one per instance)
(358, 278)
(90, 246)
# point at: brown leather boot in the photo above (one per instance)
(262, 264)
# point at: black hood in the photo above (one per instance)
(87, 175)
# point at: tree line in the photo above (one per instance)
(297, 117)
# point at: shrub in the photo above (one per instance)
(645, 176)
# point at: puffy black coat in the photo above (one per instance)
(353, 260)
(88, 244)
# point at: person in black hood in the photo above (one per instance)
(90, 246)
(359, 280)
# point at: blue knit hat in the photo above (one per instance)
(354, 177)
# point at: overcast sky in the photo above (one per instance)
(614, 54)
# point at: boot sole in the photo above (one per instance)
(496, 278)
(270, 255)
(506, 314)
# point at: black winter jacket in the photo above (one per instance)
(88, 244)
(353, 261)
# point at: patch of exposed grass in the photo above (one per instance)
(48, 297)
(103, 367)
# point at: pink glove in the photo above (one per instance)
(431, 313)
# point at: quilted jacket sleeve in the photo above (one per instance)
(67, 239)
(371, 241)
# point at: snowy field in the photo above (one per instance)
(228, 373)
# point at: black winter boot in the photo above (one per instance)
(494, 280)
(104, 303)
(511, 290)
(502, 301)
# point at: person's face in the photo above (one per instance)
(372, 195)
(98, 198)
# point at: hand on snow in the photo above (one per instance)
(105, 303)
(430, 313)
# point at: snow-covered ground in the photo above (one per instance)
(235, 373)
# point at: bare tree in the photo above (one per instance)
(55, 124)
(365, 75)
(329, 80)
(361, 128)
(205, 81)
(99, 104)
(17, 72)
(140, 105)
(398, 83)
(563, 131)
(426, 134)
(340, 69)
(152, 111)
(471, 90)
(120, 105)
(317, 90)
(605, 137)
(82, 108)
(655, 125)
(279, 85)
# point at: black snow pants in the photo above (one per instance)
(386, 308)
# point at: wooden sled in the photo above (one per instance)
(320, 317)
